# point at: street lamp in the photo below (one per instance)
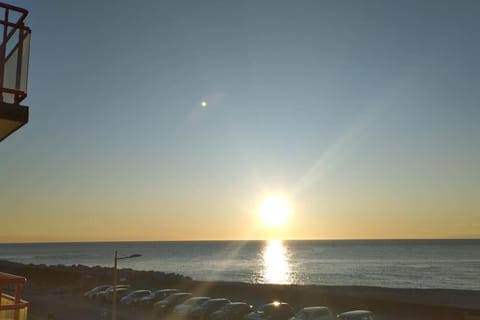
(114, 300)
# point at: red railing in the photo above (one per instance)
(12, 307)
(14, 54)
(11, 310)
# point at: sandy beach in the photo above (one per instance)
(58, 291)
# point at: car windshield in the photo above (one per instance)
(320, 313)
(226, 307)
(215, 303)
(176, 297)
(195, 301)
(268, 308)
(157, 294)
(137, 293)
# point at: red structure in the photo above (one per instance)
(14, 57)
(12, 307)
(14, 52)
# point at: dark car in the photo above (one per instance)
(132, 298)
(166, 305)
(314, 313)
(155, 296)
(183, 310)
(232, 311)
(271, 311)
(202, 312)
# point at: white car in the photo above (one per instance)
(121, 292)
(103, 295)
(356, 315)
(314, 313)
(89, 294)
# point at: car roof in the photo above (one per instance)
(103, 286)
(275, 304)
(197, 298)
(174, 297)
(180, 294)
(141, 290)
(122, 286)
(355, 313)
(237, 303)
(119, 286)
(218, 299)
(313, 309)
(164, 290)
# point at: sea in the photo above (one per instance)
(447, 264)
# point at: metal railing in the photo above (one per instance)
(14, 54)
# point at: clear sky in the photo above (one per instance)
(363, 115)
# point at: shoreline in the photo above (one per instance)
(72, 281)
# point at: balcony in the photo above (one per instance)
(9, 310)
(14, 57)
(12, 307)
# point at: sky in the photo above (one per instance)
(363, 115)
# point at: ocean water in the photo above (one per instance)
(452, 264)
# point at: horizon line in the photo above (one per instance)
(238, 240)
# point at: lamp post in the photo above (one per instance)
(114, 297)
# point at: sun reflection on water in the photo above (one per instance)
(276, 268)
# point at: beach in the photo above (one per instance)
(57, 291)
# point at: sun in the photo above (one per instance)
(274, 211)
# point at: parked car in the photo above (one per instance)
(166, 305)
(121, 292)
(155, 296)
(183, 310)
(203, 311)
(102, 295)
(132, 298)
(232, 311)
(95, 290)
(98, 294)
(107, 294)
(271, 311)
(356, 315)
(314, 313)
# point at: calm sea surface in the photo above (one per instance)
(451, 264)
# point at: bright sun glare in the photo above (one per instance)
(274, 211)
